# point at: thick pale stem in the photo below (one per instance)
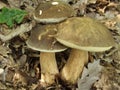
(49, 68)
(74, 66)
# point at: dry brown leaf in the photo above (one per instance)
(80, 6)
(109, 80)
(89, 76)
(20, 77)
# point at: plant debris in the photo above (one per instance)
(19, 65)
(90, 75)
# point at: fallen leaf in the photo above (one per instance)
(109, 80)
(89, 76)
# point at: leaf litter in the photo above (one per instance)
(21, 65)
(90, 75)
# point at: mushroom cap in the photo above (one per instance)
(53, 11)
(85, 33)
(41, 39)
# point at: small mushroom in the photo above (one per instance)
(82, 34)
(41, 39)
(53, 11)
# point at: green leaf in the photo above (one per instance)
(11, 16)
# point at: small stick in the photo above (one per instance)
(19, 30)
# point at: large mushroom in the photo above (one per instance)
(82, 34)
(41, 39)
(53, 11)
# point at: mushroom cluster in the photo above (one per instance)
(62, 30)
(42, 38)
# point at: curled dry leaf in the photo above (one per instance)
(89, 76)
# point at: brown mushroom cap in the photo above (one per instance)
(85, 34)
(41, 39)
(53, 11)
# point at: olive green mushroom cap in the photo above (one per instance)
(41, 39)
(53, 11)
(85, 33)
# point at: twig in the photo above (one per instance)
(15, 32)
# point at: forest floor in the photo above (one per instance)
(19, 65)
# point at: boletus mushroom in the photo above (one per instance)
(53, 11)
(41, 39)
(82, 34)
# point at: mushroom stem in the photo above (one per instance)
(74, 66)
(49, 68)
